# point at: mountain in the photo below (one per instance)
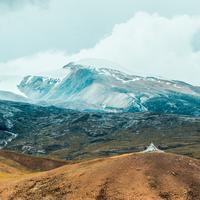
(102, 89)
(159, 176)
(74, 135)
(9, 96)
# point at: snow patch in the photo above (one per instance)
(4, 143)
(152, 149)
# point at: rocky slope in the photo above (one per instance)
(133, 176)
(70, 134)
(103, 89)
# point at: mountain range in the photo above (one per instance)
(86, 88)
(89, 117)
(73, 113)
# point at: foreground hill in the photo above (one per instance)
(68, 134)
(154, 176)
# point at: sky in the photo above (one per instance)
(144, 37)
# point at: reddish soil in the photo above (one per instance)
(155, 176)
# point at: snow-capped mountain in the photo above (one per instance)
(88, 88)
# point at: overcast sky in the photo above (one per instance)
(31, 26)
(145, 37)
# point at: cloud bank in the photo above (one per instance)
(147, 44)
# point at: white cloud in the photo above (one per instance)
(35, 64)
(12, 72)
(153, 45)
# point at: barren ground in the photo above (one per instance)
(129, 177)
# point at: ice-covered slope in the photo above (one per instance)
(104, 89)
(9, 96)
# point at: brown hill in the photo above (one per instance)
(130, 177)
(31, 162)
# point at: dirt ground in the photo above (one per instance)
(153, 176)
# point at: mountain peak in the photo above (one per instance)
(72, 65)
(97, 63)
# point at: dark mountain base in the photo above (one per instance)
(73, 135)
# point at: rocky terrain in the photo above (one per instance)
(74, 135)
(153, 176)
